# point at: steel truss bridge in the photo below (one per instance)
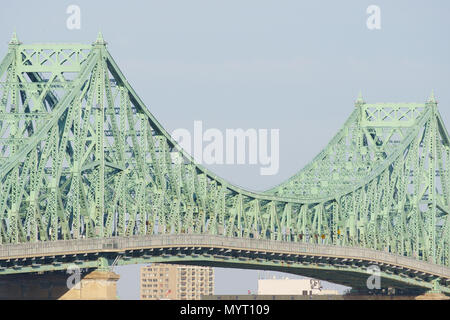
(89, 177)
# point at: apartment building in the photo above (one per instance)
(166, 281)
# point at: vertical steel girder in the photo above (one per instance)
(81, 156)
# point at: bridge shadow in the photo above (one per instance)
(356, 279)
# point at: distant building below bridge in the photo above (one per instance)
(286, 286)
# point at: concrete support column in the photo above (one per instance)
(95, 285)
(432, 296)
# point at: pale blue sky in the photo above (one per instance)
(296, 66)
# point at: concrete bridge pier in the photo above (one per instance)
(95, 284)
(434, 294)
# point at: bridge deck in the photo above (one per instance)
(122, 244)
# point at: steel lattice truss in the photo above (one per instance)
(81, 156)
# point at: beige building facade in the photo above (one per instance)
(179, 282)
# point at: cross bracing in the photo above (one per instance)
(81, 157)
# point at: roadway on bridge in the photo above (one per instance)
(343, 265)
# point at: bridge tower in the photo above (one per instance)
(84, 162)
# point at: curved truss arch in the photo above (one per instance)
(81, 156)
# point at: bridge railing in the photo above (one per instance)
(120, 244)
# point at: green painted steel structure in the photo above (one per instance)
(82, 157)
